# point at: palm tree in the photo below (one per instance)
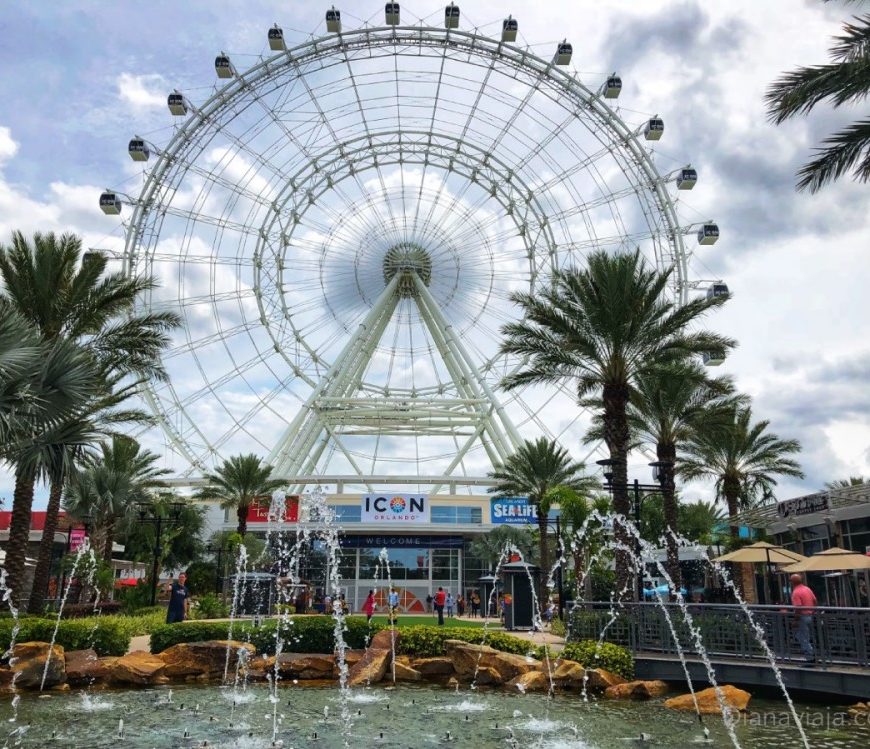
(42, 386)
(237, 484)
(845, 80)
(599, 327)
(741, 456)
(491, 547)
(533, 471)
(70, 297)
(845, 483)
(583, 532)
(667, 406)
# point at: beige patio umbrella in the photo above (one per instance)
(762, 552)
(832, 560)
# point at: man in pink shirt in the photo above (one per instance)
(804, 601)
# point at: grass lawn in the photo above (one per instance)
(409, 620)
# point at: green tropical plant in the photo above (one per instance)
(584, 534)
(741, 456)
(491, 547)
(534, 470)
(846, 483)
(844, 80)
(599, 327)
(237, 483)
(607, 655)
(67, 296)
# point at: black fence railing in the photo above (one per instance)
(840, 636)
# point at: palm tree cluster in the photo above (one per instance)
(632, 354)
(73, 350)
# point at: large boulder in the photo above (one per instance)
(306, 666)
(404, 672)
(568, 674)
(28, 664)
(207, 659)
(636, 690)
(386, 639)
(598, 680)
(440, 665)
(708, 701)
(468, 660)
(84, 667)
(138, 667)
(531, 681)
(371, 668)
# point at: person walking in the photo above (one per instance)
(804, 601)
(393, 602)
(460, 606)
(369, 606)
(179, 600)
(439, 601)
(429, 604)
(475, 604)
(449, 603)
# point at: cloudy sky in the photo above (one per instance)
(79, 78)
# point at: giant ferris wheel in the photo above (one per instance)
(341, 225)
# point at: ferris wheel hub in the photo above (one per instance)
(407, 258)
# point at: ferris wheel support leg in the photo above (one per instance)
(453, 340)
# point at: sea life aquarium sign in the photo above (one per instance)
(512, 511)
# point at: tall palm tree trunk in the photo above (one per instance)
(36, 605)
(668, 454)
(109, 541)
(731, 492)
(19, 532)
(242, 515)
(544, 556)
(616, 436)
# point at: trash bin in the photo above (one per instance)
(520, 583)
(256, 593)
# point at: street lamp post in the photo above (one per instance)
(558, 531)
(218, 551)
(148, 514)
(640, 492)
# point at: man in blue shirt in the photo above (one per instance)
(179, 601)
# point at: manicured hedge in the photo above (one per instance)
(606, 655)
(427, 642)
(300, 634)
(107, 637)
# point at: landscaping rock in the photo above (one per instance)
(306, 666)
(859, 709)
(488, 675)
(597, 679)
(207, 659)
(404, 672)
(568, 674)
(636, 690)
(383, 640)
(468, 659)
(708, 702)
(532, 681)
(84, 667)
(27, 663)
(440, 665)
(138, 667)
(370, 669)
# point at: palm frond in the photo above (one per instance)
(845, 150)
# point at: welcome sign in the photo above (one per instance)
(395, 508)
(512, 511)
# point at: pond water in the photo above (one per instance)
(407, 717)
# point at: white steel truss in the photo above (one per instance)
(335, 408)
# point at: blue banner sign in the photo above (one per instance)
(401, 542)
(512, 511)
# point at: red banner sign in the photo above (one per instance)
(259, 511)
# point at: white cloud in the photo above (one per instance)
(8, 147)
(146, 91)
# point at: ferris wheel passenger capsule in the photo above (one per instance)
(138, 150)
(276, 39)
(563, 53)
(654, 128)
(716, 290)
(509, 29)
(451, 17)
(391, 13)
(223, 67)
(712, 360)
(177, 105)
(686, 178)
(333, 21)
(612, 87)
(708, 233)
(110, 203)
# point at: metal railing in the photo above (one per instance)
(840, 636)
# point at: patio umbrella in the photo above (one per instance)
(762, 552)
(833, 559)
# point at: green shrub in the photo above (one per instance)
(557, 627)
(606, 655)
(300, 634)
(209, 606)
(135, 598)
(428, 642)
(102, 634)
